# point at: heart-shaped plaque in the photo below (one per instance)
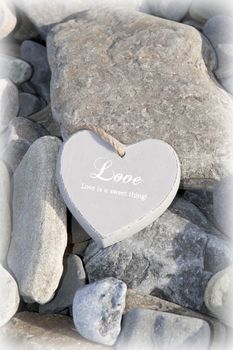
(112, 197)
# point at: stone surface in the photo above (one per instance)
(39, 223)
(14, 69)
(25, 28)
(48, 332)
(209, 54)
(5, 212)
(218, 296)
(227, 83)
(45, 118)
(9, 102)
(45, 14)
(147, 329)
(16, 140)
(7, 19)
(98, 309)
(168, 259)
(135, 94)
(203, 200)
(73, 278)
(223, 205)
(36, 55)
(78, 233)
(170, 9)
(202, 10)
(29, 104)
(10, 48)
(9, 296)
(219, 30)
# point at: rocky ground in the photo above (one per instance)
(139, 69)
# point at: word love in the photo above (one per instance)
(106, 173)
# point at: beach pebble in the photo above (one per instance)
(9, 102)
(15, 69)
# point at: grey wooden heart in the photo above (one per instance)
(112, 197)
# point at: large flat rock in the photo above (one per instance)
(39, 234)
(138, 77)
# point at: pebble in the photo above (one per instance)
(14, 69)
(5, 212)
(45, 118)
(218, 296)
(73, 278)
(7, 19)
(223, 205)
(79, 235)
(10, 48)
(29, 104)
(154, 330)
(39, 234)
(25, 28)
(49, 332)
(16, 140)
(36, 55)
(9, 296)
(9, 102)
(169, 259)
(219, 31)
(159, 103)
(203, 200)
(201, 10)
(227, 83)
(98, 309)
(170, 9)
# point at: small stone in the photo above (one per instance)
(223, 205)
(136, 53)
(202, 200)
(29, 104)
(9, 296)
(219, 31)
(218, 296)
(36, 55)
(191, 22)
(209, 54)
(227, 83)
(25, 28)
(147, 329)
(14, 69)
(169, 9)
(202, 10)
(5, 212)
(79, 235)
(10, 48)
(168, 259)
(48, 332)
(73, 278)
(39, 234)
(16, 140)
(98, 309)
(7, 19)
(45, 118)
(79, 248)
(9, 102)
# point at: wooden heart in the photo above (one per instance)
(112, 197)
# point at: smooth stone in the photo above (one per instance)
(16, 140)
(79, 248)
(5, 212)
(189, 211)
(202, 10)
(170, 9)
(45, 118)
(9, 296)
(10, 48)
(7, 19)
(137, 53)
(45, 14)
(15, 69)
(98, 309)
(154, 330)
(36, 55)
(78, 234)
(191, 22)
(39, 234)
(218, 296)
(203, 200)
(29, 104)
(209, 55)
(25, 29)
(219, 31)
(73, 278)
(227, 83)
(167, 259)
(49, 332)
(223, 205)
(9, 102)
